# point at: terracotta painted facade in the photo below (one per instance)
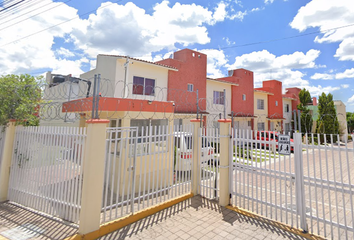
(192, 69)
(294, 94)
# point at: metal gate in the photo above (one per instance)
(145, 166)
(209, 161)
(46, 170)
(309, 189)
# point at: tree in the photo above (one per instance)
(305, 117)
(350, 122)
(20, 96)
(327, 122)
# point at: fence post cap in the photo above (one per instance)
(224, 120)
(197, 120)
(97, 121)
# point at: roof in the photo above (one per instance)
(140, 60)
(222, 81)
(243, 115)
(262, 91)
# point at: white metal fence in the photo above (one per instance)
(209, 161)
(145, 166)
(46, 170)
(328, 178)
(312, 188)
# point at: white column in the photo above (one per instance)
(224, 183)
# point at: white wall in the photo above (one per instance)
(215, 109)
(261, 114)
(287, 115)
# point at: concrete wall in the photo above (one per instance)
(341, 115)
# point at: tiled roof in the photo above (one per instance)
(223, 81)
(140, 60)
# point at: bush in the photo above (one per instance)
(350, 137)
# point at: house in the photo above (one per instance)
(187, 86)
(274, 115)
(218, 100)
(242, 97)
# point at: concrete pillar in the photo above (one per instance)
(197, 145)
(94, 163)
(224, 181)
(6, 158)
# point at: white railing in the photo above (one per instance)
(209, 162)
(312, 188)
(261, 180)
(329, 185)
(46, 170)
(141, 170)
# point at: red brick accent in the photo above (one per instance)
(191, 67)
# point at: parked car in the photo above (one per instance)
(183, 142)
(268, 137)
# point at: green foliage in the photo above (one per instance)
(350, 122)
(20, 96)
(327, 122)
(306, 118)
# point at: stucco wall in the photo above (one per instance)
(261, 114)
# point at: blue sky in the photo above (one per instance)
(306, 44)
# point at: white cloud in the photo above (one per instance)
(64, 52)
(317, 91)
(322, 76)
(266, 65)
(344, 85)
(220, 12)
(239, 15)
(327, 15)
(216, 60)
(348, 73)
(31, 53)
(346, 50)
(128, 29)
(351, 99)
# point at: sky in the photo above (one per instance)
(305, 44)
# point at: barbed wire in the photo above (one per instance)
(68, 101)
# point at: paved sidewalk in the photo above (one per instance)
(198, 218)
(17, 223)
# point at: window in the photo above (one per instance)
(276, 103)
(244, 97)
(260, 104)
(143, 86)
(218, 98)
(287, 108)
(261, 126)
(249, 123)
(190, 87)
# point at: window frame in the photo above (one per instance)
(260, 106)
(218, 97)
(144, 86)
(188, 87)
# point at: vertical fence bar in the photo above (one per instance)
(299, 175)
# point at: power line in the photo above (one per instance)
(11, 6)
(34, 14)
(285, 38)
(43, 30)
